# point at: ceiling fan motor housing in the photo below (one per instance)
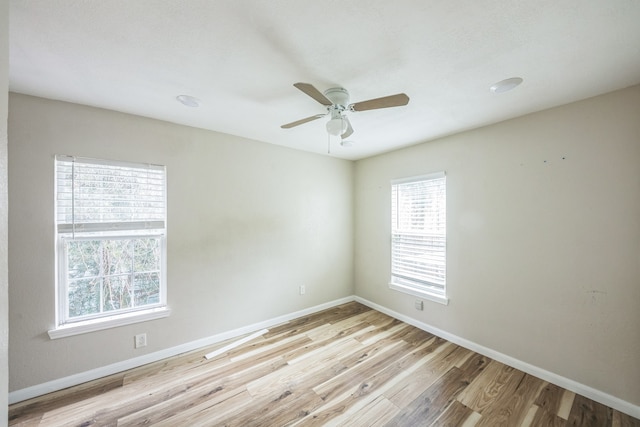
(338, 96)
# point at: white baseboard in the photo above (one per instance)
(83, 377)
(576, 387)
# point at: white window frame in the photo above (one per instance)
(415, 286)
(115, 230)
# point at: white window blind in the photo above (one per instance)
(418, 247)
(98, 195)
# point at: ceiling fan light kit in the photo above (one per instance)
(337, 126)
(336, 101)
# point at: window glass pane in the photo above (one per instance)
(117, 292)
(117, 256)
(147, 254)
(84, 297)
(101, 272)
(83, 258)
(146, 288)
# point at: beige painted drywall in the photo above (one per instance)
(248, 223)
(4, 316)
(543, 251)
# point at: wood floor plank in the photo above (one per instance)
(395, 329)
(377, 379)
(529, 417)
(566, 403)
(417, 336)
(211, 386)
(403, 394)
(348, 365)
(305, 323)
(587, 413)
(95, 410)
(510, 408)
(547, 419)
(208, 414)
(279, 410)
(206, 395)
(323, 332)
(355, 375)
(426, 408)
(474, 366)
(496, 380)
(550, 398)
(549, 402)
(455, 415)
(177, 365)
(98, 412)
(380, 321)
(207, 372)
(376, 413)
(320, 348)
(471, 420)
(359, 396)
(62, 398)
(623, 420)
(311, 371)
(29, 422)
(269, 348)
(194, 369)
(339, 328)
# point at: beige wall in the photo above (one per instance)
(4, 318)
(543, 252)
(248, 223)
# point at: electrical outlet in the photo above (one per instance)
(140, 340)
(419, 305)
(303, 289)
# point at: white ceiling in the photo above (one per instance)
(241, 58)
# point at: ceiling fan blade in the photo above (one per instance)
(347, 133)
(384, 102)
(302, 121)
(310, 90)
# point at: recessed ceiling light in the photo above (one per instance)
(506, 85)
(189, 101)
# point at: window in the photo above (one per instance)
(111, 224)
(418, 236)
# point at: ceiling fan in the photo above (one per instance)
(336, 100)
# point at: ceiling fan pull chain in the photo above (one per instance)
(328, 143)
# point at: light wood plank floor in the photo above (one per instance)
(346, 366)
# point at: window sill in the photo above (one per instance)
(419, 293)
(78, 328)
